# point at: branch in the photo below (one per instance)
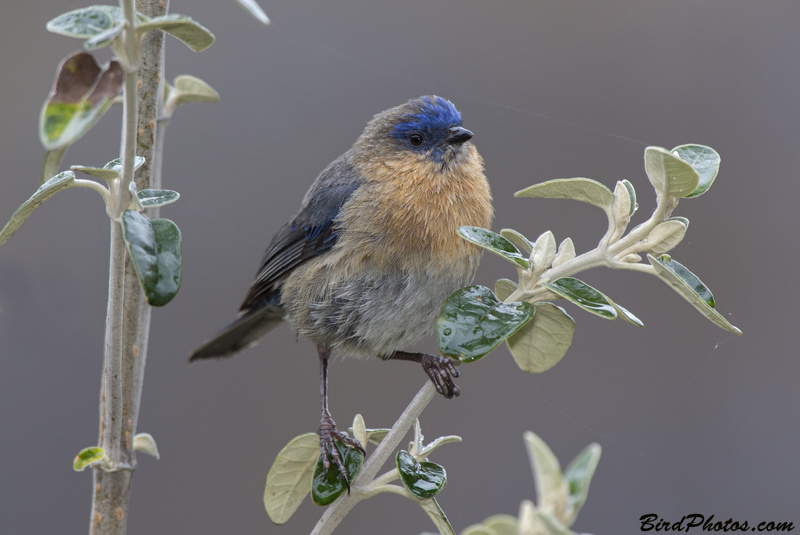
(361, 486)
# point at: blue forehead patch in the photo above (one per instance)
(432, 115)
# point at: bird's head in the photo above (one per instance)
(426, 128)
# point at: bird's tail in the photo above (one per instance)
(245, 331)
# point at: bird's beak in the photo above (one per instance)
(458, 135)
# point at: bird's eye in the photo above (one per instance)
(415, 140)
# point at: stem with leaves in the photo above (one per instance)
(128, 315)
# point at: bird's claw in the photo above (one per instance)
(441, 371)
(328, 435)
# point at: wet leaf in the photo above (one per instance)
(150, 198)
(578, 189)
(116, 164)
(704, 160)
(325, 489)
(99, 172)
(59, 182)
(668, 173)
(495, 243)
(520, 242)
(289, 478)
(155, 248)
(584, 296)
(473, 322)
(423, 479)
(85, 22)
(542, 342)
(691, 288)
(82, 93)
(632, 194)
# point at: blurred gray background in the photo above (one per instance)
(691, 419)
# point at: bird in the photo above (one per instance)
(365, 265)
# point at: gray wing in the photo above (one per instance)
(311, 232)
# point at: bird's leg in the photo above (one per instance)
(441, 370)
(327, 427)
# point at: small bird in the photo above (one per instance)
(365, 265)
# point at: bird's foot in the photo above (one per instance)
(441, 371)
(328, 434)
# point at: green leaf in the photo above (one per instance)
(82, 93)
(626, 314)
(192, 34)
(155, 248)
(544, 251)
(520, 242)
(254, 10)
(578, 189)
(116, 164)
(374, 436)
(551, 487)
(478, 529)
(632, 194)
(99, 172)
(704, 160)
(51, 163)
(565, 253)
(85, 22)
(289, 478)
(193, 89)
(48, 189)
(473, 322)
(188, 89)
(691, 288)
(668, 173)
(543, 341)
(88, 457)
(422, 479)
(591, 299)
(437, 516)
(103, 38)
(428, 449)
(503, 288)
(665, 236)
(325, 489)
(495, 243)
(683, 220)
(502, 524)
(150, 198)
(145, 443)
(578, 475)
(584, 296)
(551, 525)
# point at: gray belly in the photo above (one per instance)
(372, 314)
